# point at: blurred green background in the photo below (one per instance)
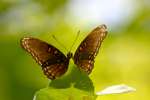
(124, 56)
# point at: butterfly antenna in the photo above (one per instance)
(74, 41)
(59, 43)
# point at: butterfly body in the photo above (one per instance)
(54, 63)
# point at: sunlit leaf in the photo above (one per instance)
(75, 85)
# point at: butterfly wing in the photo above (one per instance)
(88, 49)
(53, 62)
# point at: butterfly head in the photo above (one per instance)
(69, 55)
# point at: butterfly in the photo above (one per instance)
(54, 63)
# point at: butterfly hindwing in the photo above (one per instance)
(88, 49)
(53, 62)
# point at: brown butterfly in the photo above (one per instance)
(54, 63)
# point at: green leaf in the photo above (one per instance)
(74, 85)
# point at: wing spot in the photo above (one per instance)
(53, 74)
(49, 49)
(90, 61)
(102, 34)
(49, 71)
(80, 48)
(51, 77)
(86, 69)
(82, 66)
(48, 68)
(88, 66)
(55, 52)
(46, 73)
(44, 69)
(90, 56)
(85, 44)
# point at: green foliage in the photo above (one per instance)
(51, 5)
(63, 94)
(74, 85)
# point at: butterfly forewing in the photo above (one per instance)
(53, 62)
(88, 49)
